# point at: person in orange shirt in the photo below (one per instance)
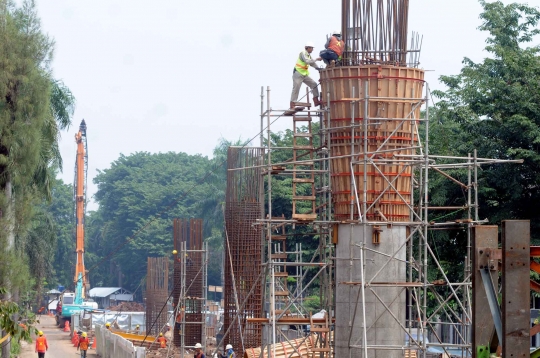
(162, 341)
(84, 342)
(41, 345)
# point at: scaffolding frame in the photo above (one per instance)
(185, 289)
(419, 252)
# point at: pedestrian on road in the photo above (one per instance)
(84, 342)
(41, 345)
(198, 351)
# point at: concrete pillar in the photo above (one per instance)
(383, 329)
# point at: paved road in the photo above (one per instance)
(60, 345)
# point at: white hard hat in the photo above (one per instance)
(309, 44)
(198, 345)
(336, 32)
(228, 346)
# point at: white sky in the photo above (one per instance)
(177, 75)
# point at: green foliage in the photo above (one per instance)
(33, 108)
(60, 210)
(138, 198)
(494, 106)
(9, 309)
(312, 304)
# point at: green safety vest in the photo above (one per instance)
(301, 66)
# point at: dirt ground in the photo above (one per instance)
(59, 342)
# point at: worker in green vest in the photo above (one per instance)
(301, 75)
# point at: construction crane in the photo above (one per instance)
(75, 302)
(79, 191)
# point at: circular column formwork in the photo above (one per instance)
(393, 105)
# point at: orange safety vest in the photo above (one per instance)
(41, 344)
(162, 341)
(336, 45)
(83, 343)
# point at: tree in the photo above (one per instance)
(495, 104)
(138, 197)
(33, 107)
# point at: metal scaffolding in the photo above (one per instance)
(439, 309)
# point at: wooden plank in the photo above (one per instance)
(305, 217)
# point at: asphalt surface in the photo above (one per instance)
(59, 342)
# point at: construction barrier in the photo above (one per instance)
(125, 321)
(110, 345)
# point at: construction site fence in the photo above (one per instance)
(110, 345)
(124, 321)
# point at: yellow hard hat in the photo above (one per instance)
(137, 326)
(40, 333)
(107, 324)
(84, 334)
(174, 252)
(161, 334)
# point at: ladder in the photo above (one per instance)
(321, 341)
(303, 181)
(280, 258)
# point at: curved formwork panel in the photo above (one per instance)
(394, 101)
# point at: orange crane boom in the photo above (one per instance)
(80, 196)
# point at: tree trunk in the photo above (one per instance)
(10, 219)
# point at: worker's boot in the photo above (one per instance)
(332, 64)
(291, 111)
(317, 101)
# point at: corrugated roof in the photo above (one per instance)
(102, 291)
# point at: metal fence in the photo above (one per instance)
(110, 345)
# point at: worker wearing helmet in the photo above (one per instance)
(108, 326)
(334, 49)
(137, 329)
(229, 353)
(83, 345)
(162, 341)
(198, 351)
(41, 345)
(301, 75)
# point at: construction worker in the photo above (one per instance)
(108, 326)
(178, 320)
(41, 345)
(162, 341)
(229, 353)
(334, 49)
(84, 342)
(198, 351)
(137, 329)
(301, 75)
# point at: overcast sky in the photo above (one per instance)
(176, 75)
